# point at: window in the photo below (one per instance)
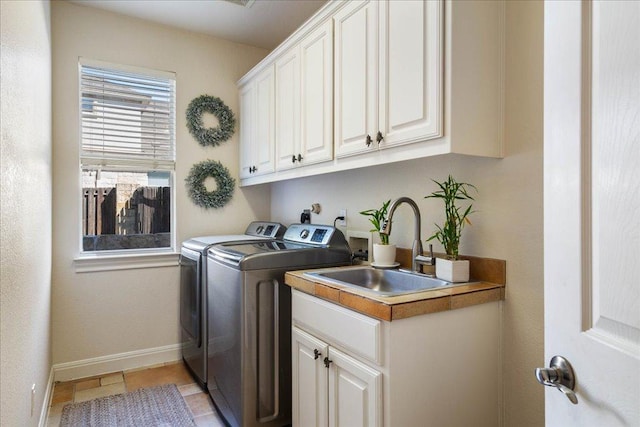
(127, 156)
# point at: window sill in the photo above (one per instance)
(91, 263)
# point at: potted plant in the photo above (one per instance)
(451, 192)
(384, 254)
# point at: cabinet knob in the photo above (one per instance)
(379, 137)
(368, 140)
(327, 362)
(300, 157)
(293, 158)
(316, 354)
(252, 169)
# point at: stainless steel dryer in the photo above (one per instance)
(193, 298)
(249, 332)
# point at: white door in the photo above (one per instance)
(591, 208)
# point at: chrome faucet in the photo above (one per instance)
(417, 258)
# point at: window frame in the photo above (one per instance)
(120, 259)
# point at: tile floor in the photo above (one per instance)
(176, 373)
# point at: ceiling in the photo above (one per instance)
(265, 24)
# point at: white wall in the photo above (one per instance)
(508, 222)
(107, 313)
(25, 210)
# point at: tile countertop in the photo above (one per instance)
(488, 275)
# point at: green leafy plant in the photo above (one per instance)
(451, 192)
(377, 217)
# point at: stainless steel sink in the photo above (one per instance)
(381, 282)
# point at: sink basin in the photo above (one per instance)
(380, 282)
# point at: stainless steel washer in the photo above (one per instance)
(193, 289)
(249, 335)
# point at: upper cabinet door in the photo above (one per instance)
(411, 52)
(356, 77)
(288, 109)
(247, 128)
(316, 53)
(264, 117)
(257, 130)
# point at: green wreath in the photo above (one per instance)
(197, 190)
(214, 105)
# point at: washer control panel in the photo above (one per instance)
(308, 233)
(265, 229)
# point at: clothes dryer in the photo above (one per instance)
(249, 335)
(193, 291)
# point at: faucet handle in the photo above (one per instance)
(426, 260)
(386, 227)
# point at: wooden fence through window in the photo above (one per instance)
(99, 211)
(152, 209)
(148, 207)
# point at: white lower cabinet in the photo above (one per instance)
(350, 370)
(331, 388)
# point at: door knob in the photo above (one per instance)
(560, 375)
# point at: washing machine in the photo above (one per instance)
(249, 333)
(193, 291)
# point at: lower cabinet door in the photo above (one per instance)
(310, 381)
(355, 392)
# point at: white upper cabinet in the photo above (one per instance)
(288, 109)
(388, 87)
(304, 101)
(316, 57)
(356, 82)
(410, 71)
(368, 82)
(247, 133)
(257, 125)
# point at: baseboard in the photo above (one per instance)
(116, 362)
(46, 402)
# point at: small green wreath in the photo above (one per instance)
(214, 105)
(197, 190)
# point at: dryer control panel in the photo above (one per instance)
(321, 235)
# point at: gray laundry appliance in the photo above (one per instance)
(249, 331)
(193, 291)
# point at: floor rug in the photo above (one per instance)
(153, 406)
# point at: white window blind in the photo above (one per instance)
(127, 116)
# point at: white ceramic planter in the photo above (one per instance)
(452, 271)
(384, 255)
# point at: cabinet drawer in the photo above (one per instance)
(346, 329)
